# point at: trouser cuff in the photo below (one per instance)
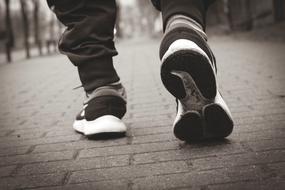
(97, 73)
(194, 9)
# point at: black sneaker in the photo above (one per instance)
(188, 72)
(102, 111)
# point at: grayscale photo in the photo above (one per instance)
(142, 94)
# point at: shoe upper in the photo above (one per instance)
(182, 30)
(188, 72)
(106, 100)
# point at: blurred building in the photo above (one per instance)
(138, 17)
(246, 14)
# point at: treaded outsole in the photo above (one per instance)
(214, 123)
(217, 122)
(196, 65)
(189, 127)
(106, 135)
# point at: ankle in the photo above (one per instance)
(112, 89)
(185, 21)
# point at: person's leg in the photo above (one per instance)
(88, 43)
(195, 9)
(188, 71)
(88, 38)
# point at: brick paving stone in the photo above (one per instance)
(19, 137)
(180, 180)
(39, 141)
(151, 130)
(82, 144)
(261, 127)
(74, 165)
(39, 157)
(40, 150)
(264, 145)
(127, 149)
(209, 152)
(259, 135)
(14, 151)
(270, 184)
(7, 170)
(278, 168)
(153, 138)
(4, 133)
(60, 133)
(31, 181)
(129, 172)
(239, 160)
(104, 185)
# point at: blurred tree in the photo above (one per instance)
(26, 27)
(9, 35)
(148, 15)
(51, 40)
(37, 35)
(239, 14)
(118, 20)
(217, 13)
(279, 9)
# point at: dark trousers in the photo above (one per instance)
(88, 38)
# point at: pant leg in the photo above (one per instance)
(195, 9)
(88, 38)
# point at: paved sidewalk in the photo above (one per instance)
(39, 149)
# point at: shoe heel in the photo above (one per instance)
(189, 127)
(196, 65)
(219, 123)
(174, 84)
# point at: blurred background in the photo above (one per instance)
(28, 28)
(39, 149)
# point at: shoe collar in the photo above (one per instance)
(115, 89)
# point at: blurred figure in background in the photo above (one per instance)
(188, 68)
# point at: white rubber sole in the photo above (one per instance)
(183, 44)
(104, 124)
(186, 56)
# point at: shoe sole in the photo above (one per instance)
(218, 122)
(188, 73)
(105, 126)
(214, 124)
(106, 136)
(189, 127)
(196, 65)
